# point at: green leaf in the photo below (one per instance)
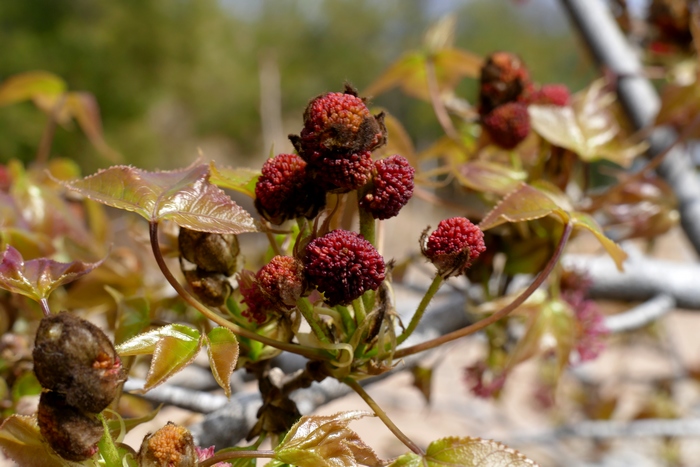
(465, 452)
(133, 315)
(585, 221)
(28, 85)
(25, 385)
(326, 441)
(239, 179)
(173, 347)
(524, 204)
(37, 278)
(222, 348)
(489, 177)
(588, 127)
(183, 196)
(21, 441)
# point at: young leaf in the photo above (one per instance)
(173, 347)
(222, 348)
(37, 278)
(21, 441)
(588, 127)
(326, 441)
(184, 196)
(472, 452)
(524, 204)
(238, 179)
(28, 85)
(489, 177)
(585, 221)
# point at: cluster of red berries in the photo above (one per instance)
(80, 372)
(504, 94)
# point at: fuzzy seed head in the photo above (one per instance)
(282, 280)
(551, 94)
(504, 78)
(171, 446)
(508, 125)
(343, 265)
(453, 246)
(392, 187)
(285, 191)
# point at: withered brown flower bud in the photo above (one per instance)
(171, 446)
(210, 252)
(212, 288)
(75, 358)
(72, 433)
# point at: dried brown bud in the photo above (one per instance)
(75, 358)
(210, 252)
(211, 288)
(171, 446)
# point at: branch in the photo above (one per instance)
(641, 315)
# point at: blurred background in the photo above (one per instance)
(232, 77)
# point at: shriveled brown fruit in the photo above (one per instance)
(171, 446)
(210, 252)
(72, 433)
(212, 288)
(75, 358)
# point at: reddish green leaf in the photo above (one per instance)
(489, 177)
(222, 348)
(21, 441)
(588, 127)
(173, 347)
(239, 179)
(585, 221)
(28, 85)
(523, 204)
(184, 196)
(326, 441)
(471, 452)
(37, 278)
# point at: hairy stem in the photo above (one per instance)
(383, 416)
(45, 307)
(308, 352)
(224, 456)
(503, 312)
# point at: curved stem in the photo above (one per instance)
(308, 352)
(358, 307)
(307, 310)
(224, 456)
(437, 103)
(383, 416)
(429, 294)
(503, 312)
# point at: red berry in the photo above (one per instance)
(282, 280)
(551, 94)
(453, 246)
(285, 191)
(343, 265)
(507, 125)
(504, 78)
(257, 303)
(343, 173)
(392, 187)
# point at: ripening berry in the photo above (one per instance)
(209, 251)
(171, 446)
(75, 358)
(507, 125)
(453, 246)
(343, 173)
(343, 265)
(282, 280)
(504, 78)
(551, 94)
(285, 190)
(72, 433)
(392, 187)
(339, 122)
(258, 305)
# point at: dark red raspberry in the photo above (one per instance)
(282, 280)
(453, 246)
(343, 265)
(75, 358)
(504, 78)
(392, 187)
(285, 191)
(343, 173)
(72, 433)
(258, 305)
(507, 125)
(339, 122)
(551, 94)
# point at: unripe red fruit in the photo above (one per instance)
(551, 94)
(285, 190)
(453, 246)
(504, 78)
(392, 187)
(343, 265)
(209, 251)
(75, 358)
(282, 280)
(507, 125)
(171, 446)
(72, 433)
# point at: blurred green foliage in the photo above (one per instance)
(174, 75)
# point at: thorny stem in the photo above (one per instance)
(307, 310)
(502, 313)
(432, 290)
(383, 416)
(309, 352)
(224, 456)
(45, 307)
